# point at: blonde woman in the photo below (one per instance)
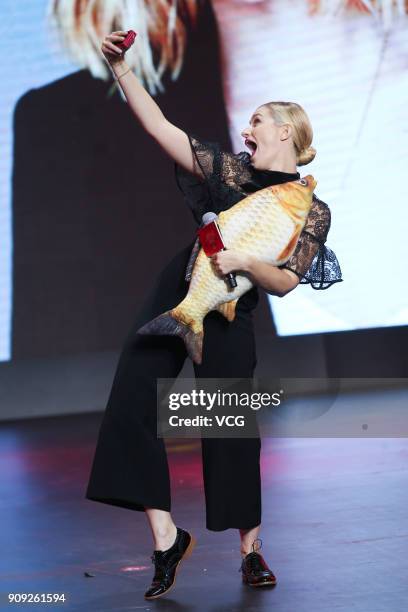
(75, 142)
(130, 464)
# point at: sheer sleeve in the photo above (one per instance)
(217, 188)
(312, 260)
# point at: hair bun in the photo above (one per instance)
(306, 156)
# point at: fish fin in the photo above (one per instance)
(227, 309)
(290, 247)
(167, 324)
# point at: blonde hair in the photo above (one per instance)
(302, 132)
(385, 12)
(160, 25)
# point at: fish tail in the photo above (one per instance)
(170, 323)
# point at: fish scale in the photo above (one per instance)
(266, 225)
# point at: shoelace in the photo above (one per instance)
(157, 559)
(253, 550)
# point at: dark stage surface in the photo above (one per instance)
(335, 526)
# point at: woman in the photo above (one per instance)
(211, 179)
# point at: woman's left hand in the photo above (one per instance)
(230, 261)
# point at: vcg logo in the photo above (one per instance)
(230, 420)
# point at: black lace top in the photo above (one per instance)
(230, 178)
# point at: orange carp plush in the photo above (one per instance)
(267, 225)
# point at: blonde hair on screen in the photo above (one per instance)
(160, 25)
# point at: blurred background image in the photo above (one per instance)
(91, 196)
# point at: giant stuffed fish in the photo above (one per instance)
(267, 225)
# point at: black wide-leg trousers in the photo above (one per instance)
(130, 467)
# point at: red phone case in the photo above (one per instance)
(210, 239)
(129, 40)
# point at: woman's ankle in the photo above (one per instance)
(162, 526)
(250, 542)
(165, 536)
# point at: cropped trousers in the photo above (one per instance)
(130, 467)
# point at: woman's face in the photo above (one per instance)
(263, 138)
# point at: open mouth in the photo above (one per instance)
(252, 146)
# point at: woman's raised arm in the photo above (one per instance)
(172, 139)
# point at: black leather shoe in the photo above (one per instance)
(255, 571)
(166, 563)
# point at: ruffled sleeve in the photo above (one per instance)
(215, 182)
(313, 261)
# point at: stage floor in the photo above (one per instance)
(334, 531)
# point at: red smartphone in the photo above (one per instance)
(210, 239)
(129, 40)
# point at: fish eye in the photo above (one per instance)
(302, 181)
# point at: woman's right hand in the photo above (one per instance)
(112, 52)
